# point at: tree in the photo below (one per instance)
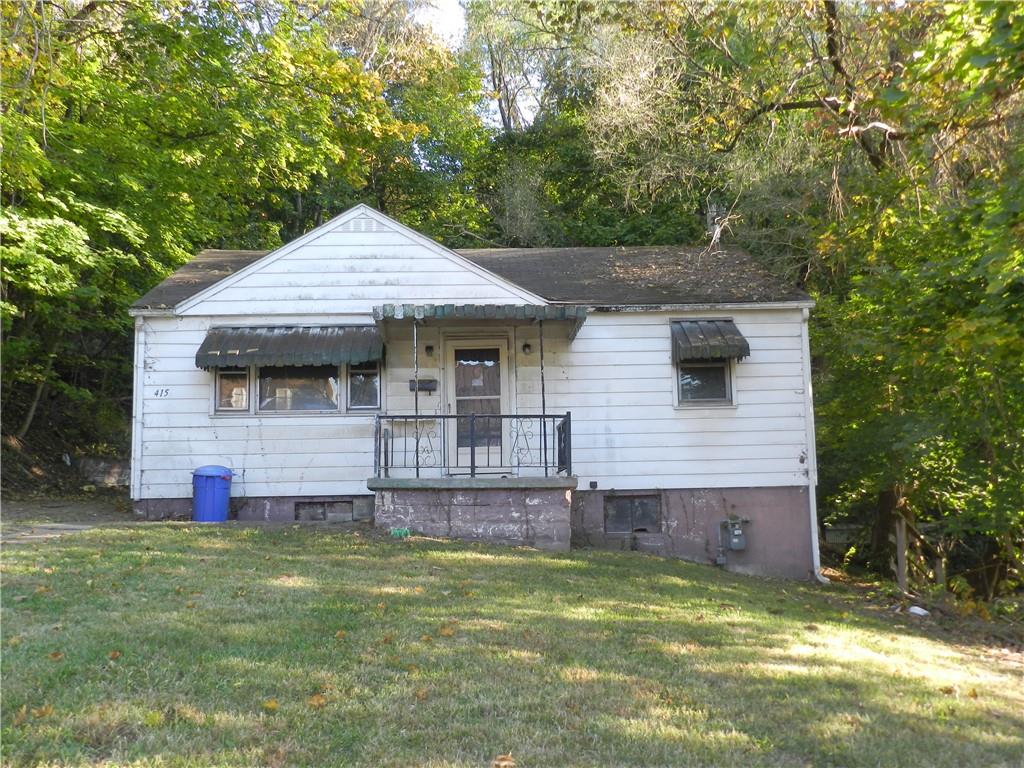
(135, 134)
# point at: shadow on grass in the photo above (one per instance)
(285, 647)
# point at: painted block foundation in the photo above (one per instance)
(778, 534)
(516, 513)
(272, 509)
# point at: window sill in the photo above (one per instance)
(698, 406)
(295, 414)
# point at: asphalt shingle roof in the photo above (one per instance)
(628, 276)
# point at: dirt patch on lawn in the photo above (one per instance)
(103, 507)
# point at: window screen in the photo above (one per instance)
(632, 514)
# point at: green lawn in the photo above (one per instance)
(203, 646)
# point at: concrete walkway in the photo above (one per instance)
(28, 520)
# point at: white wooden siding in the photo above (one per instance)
(618, 381)
(350, 265)
(616, 378)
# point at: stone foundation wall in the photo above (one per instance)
(277, 509)
(778, 534)
(535, 517)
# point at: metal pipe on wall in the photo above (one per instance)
(416, 388)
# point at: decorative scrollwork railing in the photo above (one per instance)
(473, 444)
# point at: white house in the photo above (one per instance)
(654, 398)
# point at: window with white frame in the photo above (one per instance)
(297, 389)
(704, 352)
(232, 390)
(287, 388)
(704, 381)
(364, 386)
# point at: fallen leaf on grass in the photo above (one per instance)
(386, 640)
(412, 669)
(973, 693)
(15, 641)
(40, 712)
(56, 655)
(114, 655)
(271, 705)
(43, 589)
(316, 701)
(504, 761)
(446, 631)
(426, 638)
(419, 590)
(190, 604)
(340, 634)
(422, 694)
(381, 606)
(949, 690)
(21, 715)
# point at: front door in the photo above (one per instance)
(477, 385)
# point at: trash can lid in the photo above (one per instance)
(212, 470)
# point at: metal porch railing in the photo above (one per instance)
(473, 444)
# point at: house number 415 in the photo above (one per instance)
(162, 393)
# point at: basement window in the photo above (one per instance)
(632, 514)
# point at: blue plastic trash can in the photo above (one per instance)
(211, 494)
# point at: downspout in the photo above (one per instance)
(138, 400)
(416, 388)
(812, 453)
(543, 401)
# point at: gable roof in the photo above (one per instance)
(630, 276)
(627, 276)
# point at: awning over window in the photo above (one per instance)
(707, 340)
(289, 345)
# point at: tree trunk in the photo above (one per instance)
(882, 550)
(31, 414)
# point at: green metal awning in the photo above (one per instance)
(508, 314)
(520, 312)
(707, 340)
(289, 345)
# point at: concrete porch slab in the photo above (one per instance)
(468, 483)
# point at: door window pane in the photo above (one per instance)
(232, 389)
(703, 382)
(299, 388)
(364, 386)
(477, 373)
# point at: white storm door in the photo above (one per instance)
(477, 385)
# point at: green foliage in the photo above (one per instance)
(136, 134)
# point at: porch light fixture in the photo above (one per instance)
(527, 348)
(429, 350)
